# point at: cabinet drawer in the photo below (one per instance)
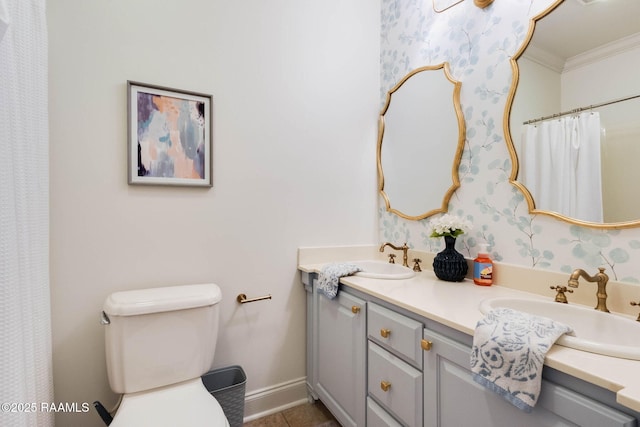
(395, 384)
(396, 332)
(378, 417)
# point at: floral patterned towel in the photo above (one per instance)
(508, 353)
(330, 277)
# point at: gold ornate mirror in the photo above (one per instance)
(575, 96)
(421, 134)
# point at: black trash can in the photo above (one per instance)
(227, 385)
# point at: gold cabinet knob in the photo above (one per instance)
(385, 385)
(355, 309)
(426, 345)
(385, 333)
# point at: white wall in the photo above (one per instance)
(609, 76)
(295, 86)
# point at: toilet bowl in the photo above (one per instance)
(159, 342)
(184, 404)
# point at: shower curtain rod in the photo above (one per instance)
(579, 110)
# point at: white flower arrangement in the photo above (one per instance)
(449, 225)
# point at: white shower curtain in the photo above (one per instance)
(561, 167)
(25, 330)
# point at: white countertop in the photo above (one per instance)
(456, 305)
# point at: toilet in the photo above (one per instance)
(159, 342)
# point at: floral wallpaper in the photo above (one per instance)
(478, 44)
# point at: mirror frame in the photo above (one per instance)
(458, 154)
(511, 147)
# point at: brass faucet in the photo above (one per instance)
(601, 278)
(560, 295)
(404, 248)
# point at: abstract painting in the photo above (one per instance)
(169, 136)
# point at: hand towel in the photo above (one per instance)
(508, 353)
(330, 277)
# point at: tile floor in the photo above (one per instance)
(306, 415)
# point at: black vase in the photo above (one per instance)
(450, 264)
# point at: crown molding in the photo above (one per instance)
(605, 51)
(557, 64)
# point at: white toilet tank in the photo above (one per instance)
(160, 336)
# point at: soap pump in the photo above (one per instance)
(483, 267)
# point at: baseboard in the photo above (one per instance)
(276, 398)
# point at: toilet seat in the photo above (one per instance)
(184, 404)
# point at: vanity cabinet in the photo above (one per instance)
(338, 350)
(452, 398)
(375, 364)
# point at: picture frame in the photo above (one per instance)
(169, 136)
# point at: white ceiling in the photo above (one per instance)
(574, 27)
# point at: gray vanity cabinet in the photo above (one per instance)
(341, 357)
(374, 364)
(452, 398)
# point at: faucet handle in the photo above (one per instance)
(560, 296)
(416, 264)
(633, 303)
(392, 258)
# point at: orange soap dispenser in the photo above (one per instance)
(483, 267)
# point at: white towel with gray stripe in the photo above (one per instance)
(508, 353)
(330, 277)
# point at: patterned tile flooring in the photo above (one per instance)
(306, 415)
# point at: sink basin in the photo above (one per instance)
(383, 270)
(595, 331)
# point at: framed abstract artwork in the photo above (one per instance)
(169, 133)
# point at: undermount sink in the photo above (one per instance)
(383, 270)
(595, 331)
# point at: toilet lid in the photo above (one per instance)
(184, 404)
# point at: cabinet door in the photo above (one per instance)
(452, 398)
(341, 382)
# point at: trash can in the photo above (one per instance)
(227, 385)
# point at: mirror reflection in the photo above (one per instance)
(420, 141)
(574, 121)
